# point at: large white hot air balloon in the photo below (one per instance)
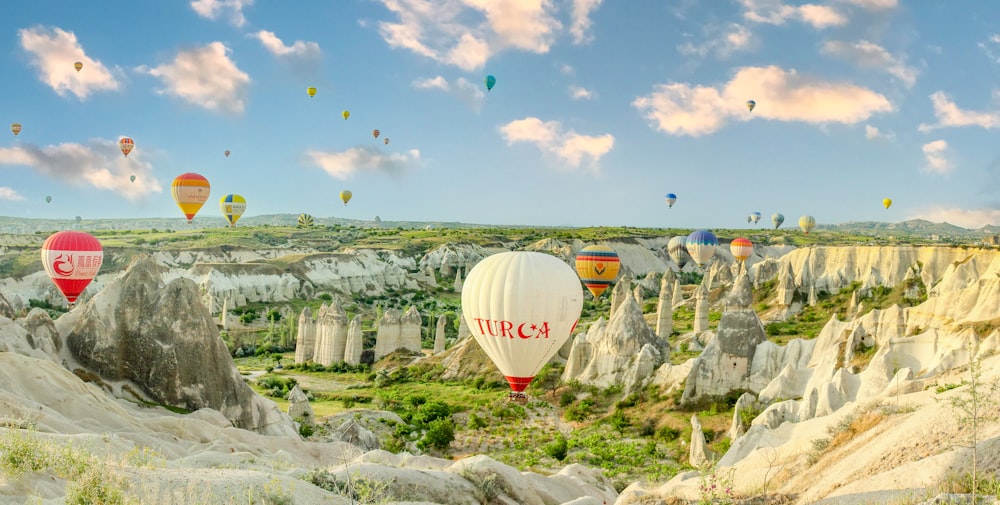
(521, 307)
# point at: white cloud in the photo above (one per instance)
(436, 82)
(442, 31)
(966, 218)
(206, 77)
(213, 9)
(723, 42)
(875, 5)
(10, 195)
(871, 55)
(581, 20)
(988, 47)
(936, 153)
(949, 115)
(578, 93)
(774, 12)
(98, 165)
(873, 133)
(342, 165)
(570, 147)
(298, 49)
(54, 51)
(567, 69)
(469, 93)
(781, 95)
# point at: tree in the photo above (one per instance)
(975, 405)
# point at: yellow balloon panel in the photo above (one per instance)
(190, 191)
(597, 266)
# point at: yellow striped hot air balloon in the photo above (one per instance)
(807, 223)
(597, 266)
(190, 191)
(345, 196)
(232, 206)
(305, 220)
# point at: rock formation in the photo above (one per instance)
(398, 331)
(620, 292)
(305, 339)
(299, 408)
(463, 327)
(457, 286)
(439, 341)
(355, 342)
(411, 325)
(698, 452)
(664, 309)
(331, 335)
(678, 296)
(161, 339)
(700, 309)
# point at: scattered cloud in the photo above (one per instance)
(774, 12)
(436, 82)
(990, 47)
(53, 52)
(10, 195)
(722, 42)
(442, 31)
(936, 153)
(578, 93)
(567, 69)
(298, 49)
(873, 133)
(214, 9)
(570, 147)
(875, 5)
(342, 165)
(966, 218)
(98, 164)
(870, 55)
(781, 95)
(469, 93)
(205, 76)
(580, 27)
(949, 115)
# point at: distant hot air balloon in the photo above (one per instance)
(887, 202)
(376, 133)
(48, 199)
(807, 223)
(345, 196)
(750, 105)
(78, 219)
(597, 266)
(227, 153)
(72, 259)
(346, 114)
(16, 128)
(78, 65)
(671, 198)
(676, 248)
(490, 82)
(190, 191)
(131, 178)
(749, 219)
(741, 248)
(232, 206)
(755, 217)
(126, 145)
(521, 307)
(701, 246)
(777, 219)
(305, 220)
(311, 90)
(386, 141)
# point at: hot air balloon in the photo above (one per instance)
(305, 220)
(750, 105)
(386, 141)
(346, 114)
(777, 219)
(807, 223)
(597, 266)
(311, 90)
(232, 207)
(490, 82)
(521, 307)
(78, 219)
(16, 128)
(677, 250)
(227, 153)
(755, 217)
(345, 196)
(190, 191)
(131, 178)
(78, 65)
(72, 259)
(376, 133)
(741, 248)
(887, 202)
(126, 145)
(701, 246)
(671, 198)
(749, 219)
(48, 199)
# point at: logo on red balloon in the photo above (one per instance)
(63, 265)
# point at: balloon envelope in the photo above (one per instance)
(227, 153)
(305, 220)
(311, 91)
(15, 128)
(131, 178)
(887, 202)
(755, 217)
(676, 248)
(777, 219)
(376, 133)
(126, 145)
(346, 114)
(78, 65)
(232, 206)
(48, 199)
(751, 104)
(490, 81)
(345, 196)
(741, 248)
(597, 266)
(190, 191)
(72, 259)
(701, 246)
(671, 198)
(807, 223)
(521, 307)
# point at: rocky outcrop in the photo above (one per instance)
(700, 308)
(449, 258)
(355, 342)
(305, 339)
(698, 452)
(161, 340)
(457, 286)
(398, 331)
(664, 307)
(331, 335)
(439, 339)
(299, 408)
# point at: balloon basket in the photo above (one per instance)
(517, 397)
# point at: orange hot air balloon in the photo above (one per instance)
(78, 65)
(375, 133)
(741, 248)
(190, 191)
(15, 128)
(597, 266)
(72, 259)
(126, 145)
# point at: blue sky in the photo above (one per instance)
(600, 109)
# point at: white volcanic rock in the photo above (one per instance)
(439, 339)
(447, 258)
(355, 342)
(305, 339)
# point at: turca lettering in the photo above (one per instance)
(508, 329)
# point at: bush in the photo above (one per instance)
(440, 434)
(557, 448)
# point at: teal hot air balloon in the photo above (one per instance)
(777, 219)
(490, 82)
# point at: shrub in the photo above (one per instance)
(440, 434)
(557, 448)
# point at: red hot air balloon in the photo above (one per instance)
(126, 145)
(72, 259)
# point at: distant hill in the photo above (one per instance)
(919, 227)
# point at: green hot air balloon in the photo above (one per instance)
(490, 82)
